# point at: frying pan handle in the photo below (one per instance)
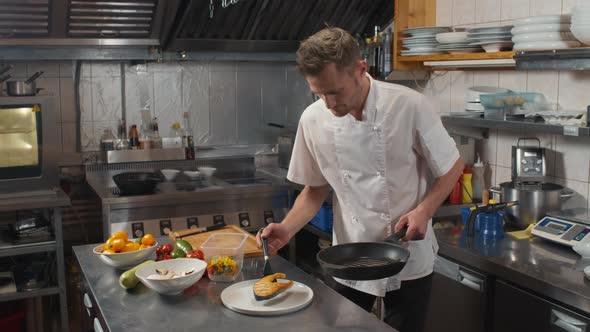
(397, 237)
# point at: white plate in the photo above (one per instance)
(485, 39)
(423, 49)
(545, 45)
(548, 19)
(240, 298)
(464, 50)
(423, 30)
(454, 47)
(501, 29)
(533, 28)
(543, 36)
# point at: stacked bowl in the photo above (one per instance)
(456, 42)
(581, 22)
(422, 41)
(550, 32)
(491, 39)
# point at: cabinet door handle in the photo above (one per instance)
(470, 280)
(87, 301)
(97, 325)
(567, 322)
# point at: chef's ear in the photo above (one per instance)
(361, 68)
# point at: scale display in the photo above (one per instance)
(566, 227)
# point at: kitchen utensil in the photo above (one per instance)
(365, 260)
(176, 285)
(568, 227)
(240, 298)
(267, 268)
(193, 175)
(534, 201)
(170, 174)
(136, 183)
(486, 209)
(33, 77)
(528, 162)
(207, 171)
(125, 259)
(176, 235)
(196, 240)
(24, 88)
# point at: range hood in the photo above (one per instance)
(184, 25)
(270, 25)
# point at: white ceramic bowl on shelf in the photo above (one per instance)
(543, 36)
(125, 259)
(545, 45)
(176, 285)
(582, 34)
(170, 174)
(547, 19)
(451, 37)
(207, 170)
(193, 175)
(534, 28)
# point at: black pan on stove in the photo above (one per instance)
(137, 183)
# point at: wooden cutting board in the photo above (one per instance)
(251, 249)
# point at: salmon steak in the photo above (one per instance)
(268, 287)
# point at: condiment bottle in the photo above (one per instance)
(478, 179)
(467, 188)
(107, 140)
(134, 138)
(455, 197)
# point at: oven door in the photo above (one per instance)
(28, 144)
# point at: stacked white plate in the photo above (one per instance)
(581, 22)
(550, 32)
(455, 43)
(491, 39)
(422, 41)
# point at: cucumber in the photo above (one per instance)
(128, 279)
(183, 245)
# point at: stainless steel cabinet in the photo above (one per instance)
(460, 299)
(518, 310)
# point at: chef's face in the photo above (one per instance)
(341, 90)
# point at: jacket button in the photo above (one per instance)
(355, 220)
(376, 128)
(380, 174)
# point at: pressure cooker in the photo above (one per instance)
(534, 201)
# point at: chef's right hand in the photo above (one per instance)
(277, 235)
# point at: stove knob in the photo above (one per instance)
(524, 161)
(537, 169)
(526, 169)
(539, 162)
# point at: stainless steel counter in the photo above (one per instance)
(200, 307)
(32, 200)
(548, 269)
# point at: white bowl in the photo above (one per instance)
(125, 259)
(451, 37)
(207, 171)
(583, 249)
(176, 285)
(193, 175)
(582, 35)
(170, 174)
(545, 45)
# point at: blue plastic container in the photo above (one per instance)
(491, 225)
(324, 219)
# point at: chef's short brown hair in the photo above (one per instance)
(329, 45)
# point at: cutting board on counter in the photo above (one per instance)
(251, 249)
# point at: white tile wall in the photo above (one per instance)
(568, 158)
(444, 12)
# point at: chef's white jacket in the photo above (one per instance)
(378, 169)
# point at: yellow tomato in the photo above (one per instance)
(117, 245)
(108, 251)
(130, 246)
(143, 246)
(148, 240)
(120, 235)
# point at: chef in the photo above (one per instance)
(383, 150)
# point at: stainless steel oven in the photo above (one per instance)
(28, 144)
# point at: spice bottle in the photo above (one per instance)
(467, 188)
(134, 138)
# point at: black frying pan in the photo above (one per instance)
(137, 183)
(365, 260)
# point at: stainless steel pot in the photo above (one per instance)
(534, 203)
(23, 88)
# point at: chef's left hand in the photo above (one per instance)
(416, 222)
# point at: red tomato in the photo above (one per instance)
(159, 251)
(198, 254)
(167, 248)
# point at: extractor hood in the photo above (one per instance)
(269, 25)
(184, 25)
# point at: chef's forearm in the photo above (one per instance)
(441, 189)
(307, 204)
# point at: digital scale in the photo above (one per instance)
(567, 227)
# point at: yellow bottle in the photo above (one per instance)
(467, 188)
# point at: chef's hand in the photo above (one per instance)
(277, 235)
(416, 222)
